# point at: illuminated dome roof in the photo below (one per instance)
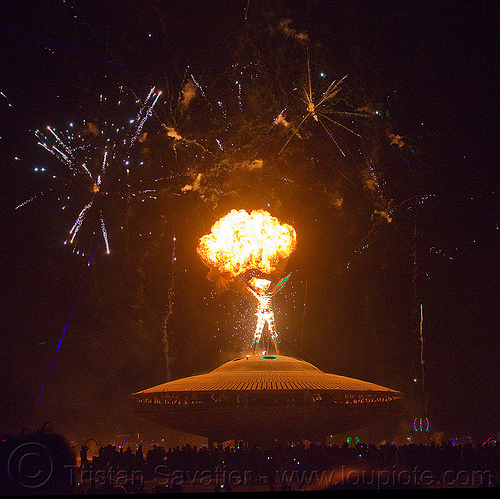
(249, 398)
(267, 372)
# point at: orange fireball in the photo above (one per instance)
(242, 241)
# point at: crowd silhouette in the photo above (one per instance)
(44, 463)
(296, 467)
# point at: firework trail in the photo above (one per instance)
(168, 315)
(9, 103)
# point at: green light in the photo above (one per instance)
(269, 357)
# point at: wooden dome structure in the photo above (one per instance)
(265, 398)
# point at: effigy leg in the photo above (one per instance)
(272, 331)
(258, 332)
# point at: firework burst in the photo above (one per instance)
(97, 164)
(324, 110)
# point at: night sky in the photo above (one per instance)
(393, 193)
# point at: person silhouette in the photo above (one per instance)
(37, 463)
(83, 457)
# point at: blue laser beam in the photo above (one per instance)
(60, 342)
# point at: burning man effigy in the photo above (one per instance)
(241, 242)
